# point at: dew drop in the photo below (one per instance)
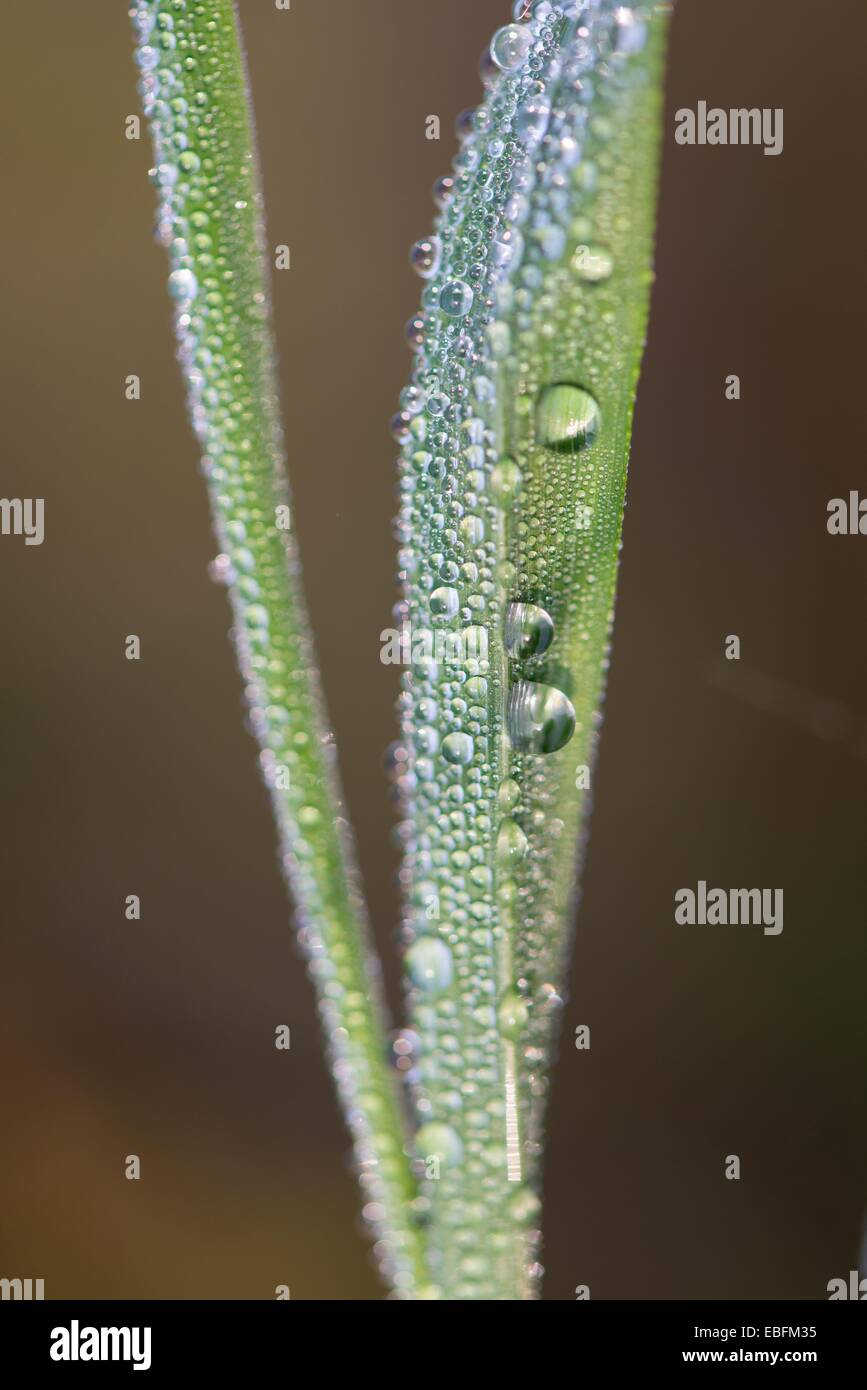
(532, 119)
(425, 257)
(510, 47)
(525, 1206)
(443, 190)
(183, 285)
(147, 57)
(506, 482)
(445, 602)
(512, 1015)
(511, 844)
(541, 719)
(529, 630)
(428, 963)
(508, 794)
(458, 748)
(456, 299)
(440, 1141)
(592, 263)
(567, 417)
(472, 528)
(507, 250)
(631, 33)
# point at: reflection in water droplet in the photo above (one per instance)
(529, 630)
(567, 417)
(541, 719)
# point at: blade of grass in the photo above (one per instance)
(515, 438)
(194, 90)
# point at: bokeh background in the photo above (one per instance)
(156, 1037)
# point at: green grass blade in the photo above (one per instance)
(194, 91)
(515, 438)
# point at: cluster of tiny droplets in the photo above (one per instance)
(207, 219)
(485, 610)
(575, 310)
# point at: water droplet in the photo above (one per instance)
(541, 719)
(443, 190)
(456, 299)
(445, 602)
(412, 399)
(508, 794)
(458, 748)
(631, 33)
(551, 240)
(510, 47)
(529, 630)
(400, 427)
(472, 529)
(511, 844)
(525, 1206)
(147, 57)
(592, 263)
(439, 1141)
(512, 1015)
(567, 417)
(532, 119)
(414, 332)
(428, 963)
(425, 257)
(183, 285)
(508, 249)
(506, 482)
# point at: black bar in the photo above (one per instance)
(234, 1337)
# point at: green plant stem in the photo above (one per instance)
(194, 89)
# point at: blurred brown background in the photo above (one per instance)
(156, 1038)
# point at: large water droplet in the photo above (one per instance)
(508, 794)
(458, 748)
(529, 630)
(510, 47)
(456, 299)
(428, 963)
(511, 844)
(567, 417)
(445, 601)
(541, 718)
(512, 1015)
